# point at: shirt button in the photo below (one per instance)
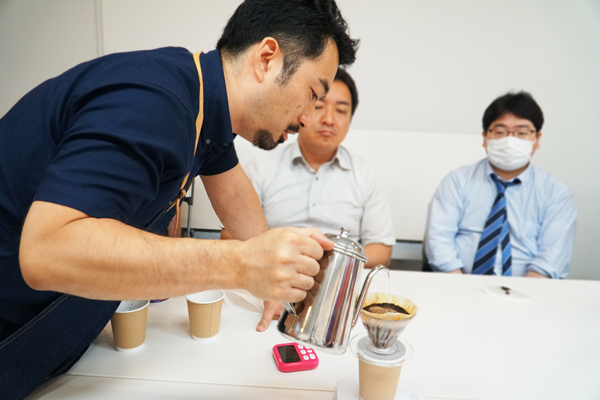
(207, 141)
(317, 178)
(314, 205)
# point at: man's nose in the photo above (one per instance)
(328, 116)
(305, 118)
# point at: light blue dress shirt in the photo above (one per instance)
(541, 216)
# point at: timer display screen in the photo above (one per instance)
(288, 354)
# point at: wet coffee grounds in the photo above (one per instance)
(382, 308)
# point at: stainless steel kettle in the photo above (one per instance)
(330, 310)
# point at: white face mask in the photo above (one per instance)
(509, 153)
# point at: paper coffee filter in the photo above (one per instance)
(378, 297)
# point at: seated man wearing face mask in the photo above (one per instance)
(502, 215)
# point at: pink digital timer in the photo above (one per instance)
(291, 357)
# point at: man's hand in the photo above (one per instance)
(279, 265)
(456, 271)
(272, 311)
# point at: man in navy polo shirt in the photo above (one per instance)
(93, 164)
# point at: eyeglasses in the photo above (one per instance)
(521, 133)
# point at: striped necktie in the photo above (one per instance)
(495, 232)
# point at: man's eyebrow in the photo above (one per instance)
(325, 86)
(343, 102)
(517, 126)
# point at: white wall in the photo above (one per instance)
(41, 39)
(409, 177)
(426, 66)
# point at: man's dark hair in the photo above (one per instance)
(301, 27)
(344, 77)
(519, 104)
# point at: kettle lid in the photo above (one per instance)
(346, 246)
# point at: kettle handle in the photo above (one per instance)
(363, 292)
(290, 308)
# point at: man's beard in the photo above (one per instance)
(263, 139)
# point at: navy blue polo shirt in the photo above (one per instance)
(113, 137)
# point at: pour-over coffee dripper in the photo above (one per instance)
(383, 329)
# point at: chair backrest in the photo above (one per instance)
(425, 267)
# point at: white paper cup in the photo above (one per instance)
(204, 309)
(129, 325)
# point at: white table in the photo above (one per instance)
(468, 345)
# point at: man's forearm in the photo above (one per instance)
(65, 250)
(378, 253)
(236, 203)
(225, 235)
(533, 274)
(106, 259)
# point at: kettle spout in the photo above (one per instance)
(363, 292)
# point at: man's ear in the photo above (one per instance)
(484, 144)
(268, 59)
(537, 142)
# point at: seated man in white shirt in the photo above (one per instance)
(317, 182)
(502, 215)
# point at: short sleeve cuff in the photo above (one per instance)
(387, 241)
(223, 162)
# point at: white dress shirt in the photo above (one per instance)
(541, 218)
(345, 192)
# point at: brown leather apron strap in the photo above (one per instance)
(199, 120)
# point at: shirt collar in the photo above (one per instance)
(524, 176)
(216, 127)
(296, 153)
(341, 157)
